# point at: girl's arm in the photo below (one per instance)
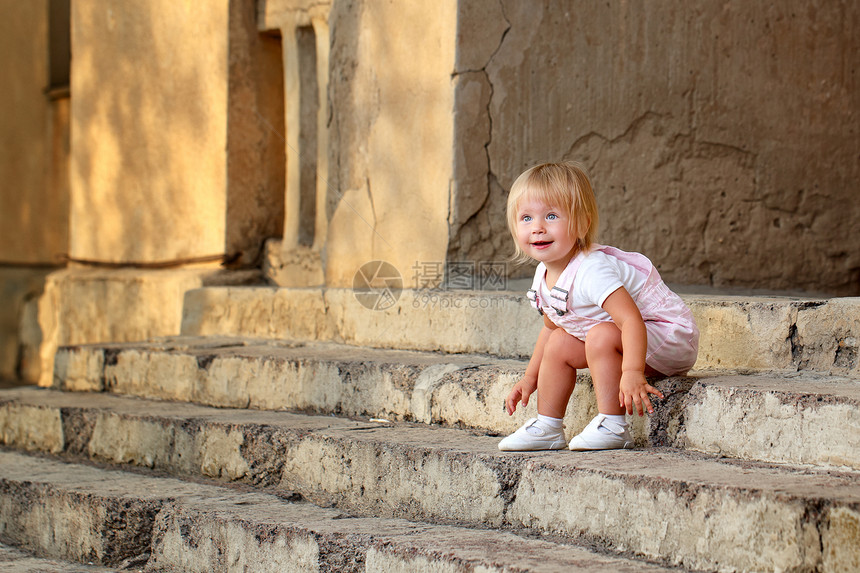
(528, 384)
(634, 389)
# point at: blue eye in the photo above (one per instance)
(551, 217)
(527, 218)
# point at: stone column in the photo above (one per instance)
(296, 260)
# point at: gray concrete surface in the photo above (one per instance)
(796, 419)
(13, 560)
(760, 333)
(683, 508)
(788, 417)
(200, 527)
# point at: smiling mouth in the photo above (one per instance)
(541, 243)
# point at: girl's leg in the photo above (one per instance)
(608, 430)
(562, 355)
(603, 352)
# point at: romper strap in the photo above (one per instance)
(560, 292)
(534, 292)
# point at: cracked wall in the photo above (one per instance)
(722, 138)
(391, 154)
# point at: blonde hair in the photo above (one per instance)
(565, 186)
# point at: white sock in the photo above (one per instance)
(549, 421)
(617, 418)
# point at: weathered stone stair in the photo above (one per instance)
(14, 560)
(182, 525)
(382, 456)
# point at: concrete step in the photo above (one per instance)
(453, 389)
(751, 333)
(84, 304)
(678, 507)
(13, 560)
(463, 390)
(86, 513)
(795, 418)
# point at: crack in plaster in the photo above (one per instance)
(455, 235)
(372, 224)
(629, 132)
(483, 70)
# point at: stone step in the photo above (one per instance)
(751, 333)
(83, 304)
(795, 418)
(13, 560)
(453, 389)
(678, 507)
(85, 513)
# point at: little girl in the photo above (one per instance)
(603, 309)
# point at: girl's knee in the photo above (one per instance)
(563, 346)
(560, 338)
(605, 335)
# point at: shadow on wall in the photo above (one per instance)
(256, 159)
(165, 132)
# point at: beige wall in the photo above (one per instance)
(722, 137)
(149, 129)
(174, 156)
(392, 135)
(33, 212)
(34, 200)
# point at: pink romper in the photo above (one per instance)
(673, 338)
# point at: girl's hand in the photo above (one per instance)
(520, 393)
(634, 390)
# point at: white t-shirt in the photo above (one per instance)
(598, 276)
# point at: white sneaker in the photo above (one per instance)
(534, 435)
(591, 438)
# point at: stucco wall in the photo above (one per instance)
(174, 155)
(392, 140)
(722, 137)
(34, 200)
(33, 212)
(149, 129)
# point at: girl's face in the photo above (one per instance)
(543, 233)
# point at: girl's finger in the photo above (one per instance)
(510, 404)
(652, 390)
(647, 403)
(525, 398)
